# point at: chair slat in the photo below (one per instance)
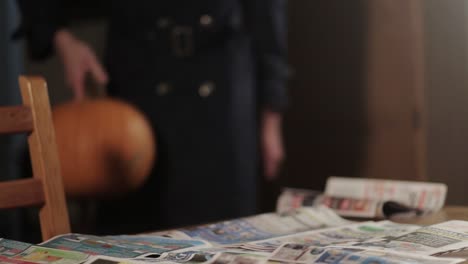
(21, 193)
(15, 119)
(44, 158)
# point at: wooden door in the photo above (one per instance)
(395, 90)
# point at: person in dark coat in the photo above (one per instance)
(210, 75)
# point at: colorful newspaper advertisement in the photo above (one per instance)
(7, 260)
(22, 253)
(304, 254)
(120, 246)
(423, 195)
(45, 255)
(11, 247)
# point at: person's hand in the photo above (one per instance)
(78, 60)
(271, 143)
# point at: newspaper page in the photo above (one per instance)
(7, 260)
(304, 254)
(186, 257)
(326, 238)
(260, 226)
(292, 199)
(338, 235)
(120, 246)
(109, 260)
(10, 248)
(43, 255)
(429, 240)
(158, 243)
(18, 252)
(189, 257)
(229, 258)
(201, 256)
(423, 195)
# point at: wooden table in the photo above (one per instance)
(448, 213)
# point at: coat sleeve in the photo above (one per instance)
(40, 19)
(266, 22)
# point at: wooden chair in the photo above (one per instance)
(45, 188)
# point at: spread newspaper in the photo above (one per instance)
(423, 195)
(368, 198)
(309, 235)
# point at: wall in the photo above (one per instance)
(325, 125)
(447, 95)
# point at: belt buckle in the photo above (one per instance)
(182, 41)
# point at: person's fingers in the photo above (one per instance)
(97, 71)
(78, 60)
(76, 82)
(273, 156)
(269, 169)
(79, 93)
(272, 145)
(272, 163)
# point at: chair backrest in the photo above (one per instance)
(45, 188)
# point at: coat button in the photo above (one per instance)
(206, 89)
(206, 20)
(163, 89)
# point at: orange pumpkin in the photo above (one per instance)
(106, 147)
